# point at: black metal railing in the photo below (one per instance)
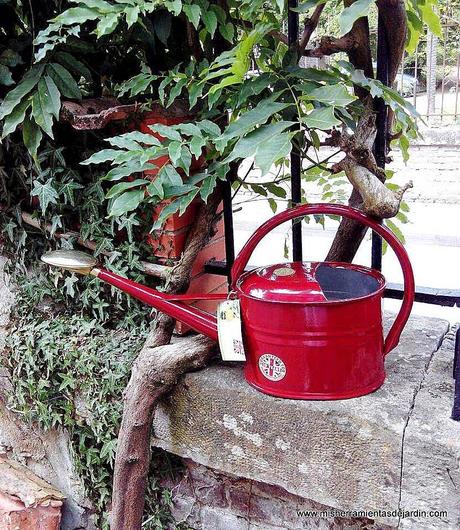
(427, 295)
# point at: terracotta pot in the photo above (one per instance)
(174, 115)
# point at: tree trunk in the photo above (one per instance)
(155, 371)
(350, 233)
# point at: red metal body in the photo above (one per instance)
(311, 330)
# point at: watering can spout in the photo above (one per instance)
(173, 305)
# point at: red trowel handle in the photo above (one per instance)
(351, 213)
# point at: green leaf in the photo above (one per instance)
(126, 202)
(175, 6)
(193, 13)
(54, 96)
(132, 15)
(209, 127)
(404, 146)
(123, 186)
(155, 189)
(185, 159)
(210, 21)
(73, 65)
(189, 129)
(267, 144)
(176, 90)
(46, 194)
(174, 150)
(278, 191)
(5, 76)
(76, 15)
(196, 145)
(42, 109)
(430, 17)
(350, 14)
(322, 119)
(68, 191)
(28, 82)
(14, 118)
(70, 291)
(32, 136)
(227, 31)
(209, 183)
(396, 230)
(251, 119)
(194, 92)
(180, 204)
(336, 95)
(169, 175)
(166, 131)
(104, 155)
(107, 24)
(127, 170)
(64, 81)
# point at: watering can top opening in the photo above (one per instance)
(311, 282)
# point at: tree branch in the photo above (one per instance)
(310, 26)
(152, 269)
(155, 371)
(330, 45)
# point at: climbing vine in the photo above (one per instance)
(68, 371)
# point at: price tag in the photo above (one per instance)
(229, 330)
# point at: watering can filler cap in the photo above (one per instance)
(310, 282)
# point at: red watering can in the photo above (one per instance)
(311, 330)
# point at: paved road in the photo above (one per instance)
(433, 233)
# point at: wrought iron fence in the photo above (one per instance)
(430, 78)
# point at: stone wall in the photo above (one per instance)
(207, 499)
(396, 448)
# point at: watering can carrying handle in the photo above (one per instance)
(392, 338)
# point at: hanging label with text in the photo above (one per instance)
(229, 330)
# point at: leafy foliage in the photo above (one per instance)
(69, 371)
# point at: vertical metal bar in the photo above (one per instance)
(380, 145)
(443, 71)
(296, 186)
(415, 77)
(457, 81)
(456, 407)
(228, 228)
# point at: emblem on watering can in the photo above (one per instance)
(272, 367)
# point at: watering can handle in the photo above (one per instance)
(392, 338)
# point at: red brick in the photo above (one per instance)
(14, 515)
(169, 241)
(176, 221)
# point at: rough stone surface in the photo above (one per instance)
(208, 500)
(46, 454)
(342, 454)
(430, 466)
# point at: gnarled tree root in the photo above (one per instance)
(154, 373)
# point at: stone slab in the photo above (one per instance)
(342, 454)
(430, 477)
